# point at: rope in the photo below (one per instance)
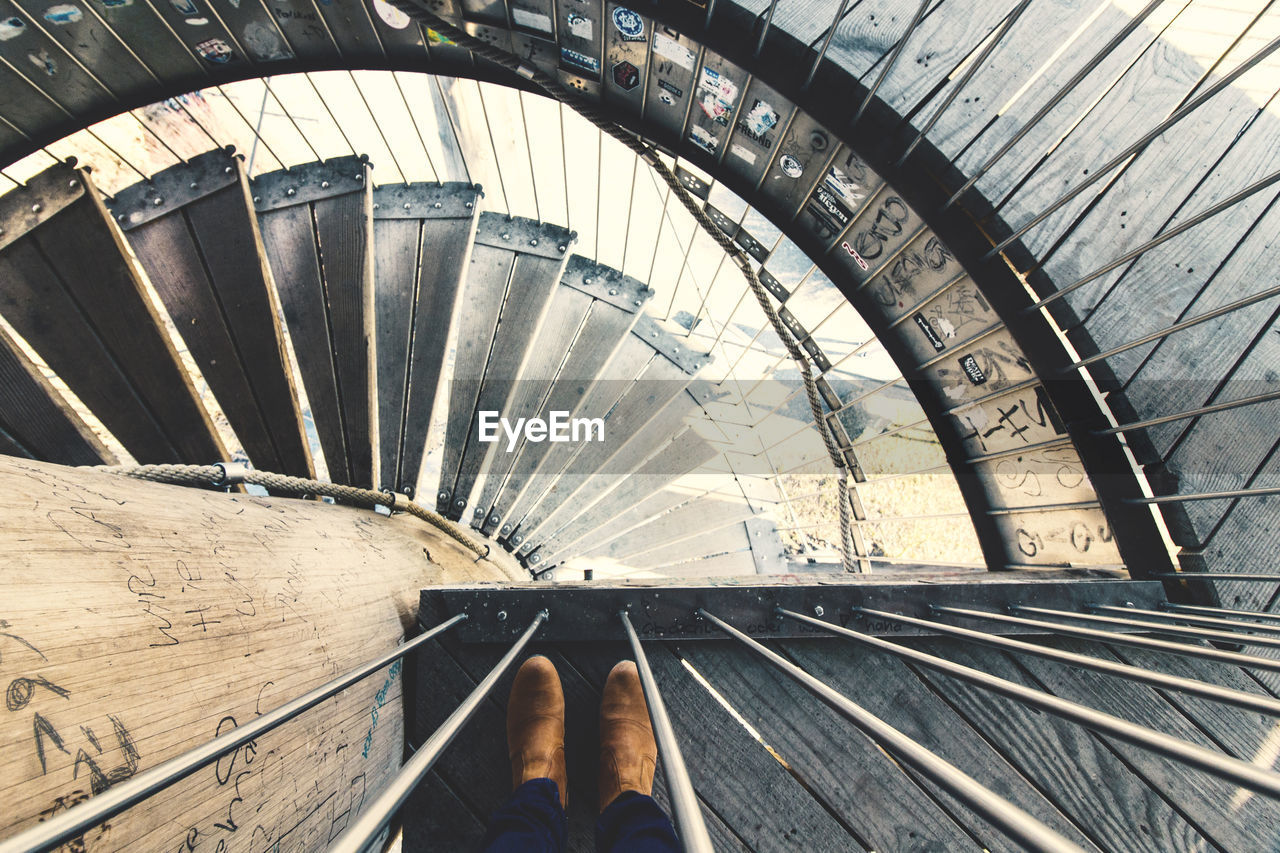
(553, 89)
(218, 476)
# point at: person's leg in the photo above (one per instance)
(533, 820)
(630, 821)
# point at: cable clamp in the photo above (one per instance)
(233, 473)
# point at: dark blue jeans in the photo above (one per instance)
(532, 821)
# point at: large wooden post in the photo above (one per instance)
(139, 620)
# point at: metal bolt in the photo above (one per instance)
(587, 280)
(437, 205)
(36, 208)
(493, 519)
(638, 303)
(561, 248)
(443, 496)
(818, 611)
(516, 540)
(407, 205)
(477, 512)
(502, 616)
(506, 236)
(227, 170)
(470, 205)
(533, 242)
(536, 558)
(377, 206)
(73, 184)
(157, 201)
(506, 528)
(359, 177)
(257, 199)
(193, 185)
(291, 191)
(120, 218)
(459, 503)
(613, 291)
(324, 185)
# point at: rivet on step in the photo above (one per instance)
(437, 205)
(470, 205)
(324, 185)
(818, 611)
(613, 291)
(459, 503)
(536, 558)
(407, 205)
(121, 218)
(533, 242)
(493, 519)
(561, 248)
(506, 236)
(516, 540)
(36, 208)
(73, 184)
(376, 206)
(638, 303)
(193, 185)
(587, 280)
(359, 177)
(506, 528)
(478, 512)
(257, 199)
(157, 201)
(443, 496)
(290, 191)
(502, 616)
(227, 170)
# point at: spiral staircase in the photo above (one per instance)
(1056, 221)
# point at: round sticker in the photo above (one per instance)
(391, 16)
(628, 23)
(791, 166)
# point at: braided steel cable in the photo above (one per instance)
(554, 89)
(226, 474)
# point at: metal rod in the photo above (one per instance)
(826, 43)
(1218, 576)
(1066, 89)
(1208, 496)
(685, 810)
(63, 827)
(435, 173)
(357, 837)
(1239, 698)
(1220, 611)
(764, 31)
(332, 117)
(377, 125)
(266, 81)
(1010, 819)
(1181, 113)
(1208, 652)
(1207, 213)
(1153, 627)
(528, 149)
(968, 73)
(1223, 766)
(893, 58)
(1202, 621)
(497, 158)
(1192, 413)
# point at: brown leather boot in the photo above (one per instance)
(628, 752)
(535, 726)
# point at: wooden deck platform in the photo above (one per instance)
(802, 779)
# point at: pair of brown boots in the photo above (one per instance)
(535, 731)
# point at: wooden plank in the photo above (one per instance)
(681, 455)
(1160, 81)
(591, 479)
(597, 343)
(35, 418)
(918, 272)
(438, 298)
(533, 281)
(719, 753)
(1009, 169)
(1207, 146)
(396, 244)
(892, 691)
(1046, 475)
(1215, 807)
(952, 318)
(344, 232)
(535, 471)
(84, 253)
(486, 287)
(987, 365)
(233, 252)
(1112, 805)
(661, 382)
(569, 309)
(156, 640)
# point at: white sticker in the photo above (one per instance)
(532, 20)
(671, 49)
(743, 152)
(391, 16)
(62, 14)
(11, 28)
(579, 25)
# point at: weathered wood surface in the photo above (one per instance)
(142, 619)
(73, 292)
